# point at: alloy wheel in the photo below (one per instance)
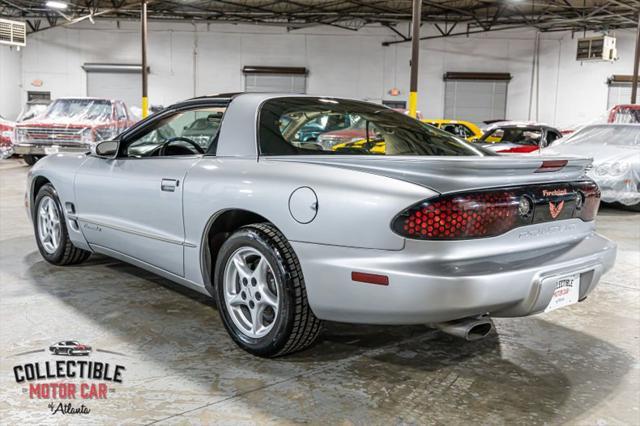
(251, 292)
(49, 229)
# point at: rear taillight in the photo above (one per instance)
(490, 213)
(587, 207)
(460, 216)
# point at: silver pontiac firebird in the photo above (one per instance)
(405, 224)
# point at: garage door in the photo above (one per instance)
(275, 79)
(123, 85)
(475, 100)
(618, 94)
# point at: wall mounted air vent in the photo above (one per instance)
(13, 33)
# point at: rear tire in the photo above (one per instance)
(31, 159)
(51, 232)
(273, 292)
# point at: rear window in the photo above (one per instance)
(317, 126)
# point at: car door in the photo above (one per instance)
(132, 204)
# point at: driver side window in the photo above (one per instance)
(183, 133)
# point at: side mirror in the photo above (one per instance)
(105, 149)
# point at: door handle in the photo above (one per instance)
(169, 185)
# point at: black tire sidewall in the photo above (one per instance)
(56, 257)
(30, 159)
(276, 339)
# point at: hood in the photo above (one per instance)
(450, 174)
(63, 122)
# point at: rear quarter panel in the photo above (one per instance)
(355, 209)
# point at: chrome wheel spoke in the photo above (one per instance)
(236, 300)
(268, 297)
(257, 315)
(243, 269)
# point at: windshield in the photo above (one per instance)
(32, 111)
(517, 135)
(82, 109)
(608, 135)
(380, 130)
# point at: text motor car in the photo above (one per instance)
(517, 137)
(615, 149)
(428, 230)
(71, 125)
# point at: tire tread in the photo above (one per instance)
(306, 326)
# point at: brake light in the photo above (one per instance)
(590, 200)
(493, 212)
(460, 216)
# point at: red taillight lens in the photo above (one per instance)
(590, 194)
(494, 212)
(460, 216)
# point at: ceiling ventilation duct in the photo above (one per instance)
(13, 33)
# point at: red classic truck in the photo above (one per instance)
(6, 138)
(70, 125)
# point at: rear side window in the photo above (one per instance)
(328, 126)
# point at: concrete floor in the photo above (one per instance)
(578, 365)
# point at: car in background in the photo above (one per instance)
(70, 125)
(463, 129)
(518, 137)
(624, 114)
(6, 138)
(615, 149)
(69, 347)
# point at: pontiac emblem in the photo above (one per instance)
(555, 209)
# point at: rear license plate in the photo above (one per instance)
(51, 149)
(567, 291)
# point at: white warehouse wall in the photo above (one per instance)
(10, 81)
(188, 60)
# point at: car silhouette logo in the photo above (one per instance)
(70, 348)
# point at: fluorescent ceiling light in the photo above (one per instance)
(56, 4)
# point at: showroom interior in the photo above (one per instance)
(559, 73)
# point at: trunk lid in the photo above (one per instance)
(451, 174)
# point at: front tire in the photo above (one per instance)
(51, 232)
(261, 294)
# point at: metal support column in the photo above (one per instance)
(415, 56)
(636, 60)
(145, 100)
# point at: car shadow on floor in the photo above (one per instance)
(532, 371)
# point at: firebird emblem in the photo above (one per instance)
(555, 209)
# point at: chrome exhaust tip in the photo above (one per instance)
(470, 329)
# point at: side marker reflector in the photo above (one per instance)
(370, 278)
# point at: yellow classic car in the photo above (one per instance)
(463, 129)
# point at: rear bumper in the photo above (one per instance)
(43, 149)
(427, 286)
